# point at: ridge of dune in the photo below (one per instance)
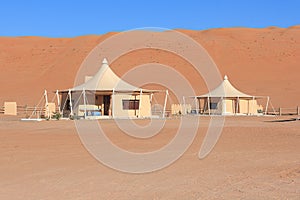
(257, 61)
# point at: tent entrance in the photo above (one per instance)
(106, 104)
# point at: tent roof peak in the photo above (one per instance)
(104, 61)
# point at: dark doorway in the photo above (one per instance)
(106, 102)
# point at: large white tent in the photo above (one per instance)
(227, 100)
(106, 95)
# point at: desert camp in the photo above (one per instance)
(149, 100)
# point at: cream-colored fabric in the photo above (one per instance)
(226, 89)
(87, 78)
(105, 80)
(50, 110)
(248, 106)
(10, 108)
(143, 111)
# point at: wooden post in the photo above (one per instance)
(280, 111)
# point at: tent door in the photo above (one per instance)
(106, 102)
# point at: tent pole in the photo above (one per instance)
(165, 103)
(199, 101)
(113, 102)
(253, 110)
(151, 97)
(268, 98)
(47, 104)
(196, 104)
(208, 105)
(237, 105)
(58, 100)
(184, 106)
(84, 102)
(223, 104)
(204, 105)
(140, 102)
(70, 102)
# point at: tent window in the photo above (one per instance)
(213, 105)
(130, 104)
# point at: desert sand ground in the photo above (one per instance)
(255, 158)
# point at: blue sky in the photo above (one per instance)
(75, 18)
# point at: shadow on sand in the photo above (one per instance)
(285, 120)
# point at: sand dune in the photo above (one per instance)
(258, 61)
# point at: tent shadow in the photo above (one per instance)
(285, 120)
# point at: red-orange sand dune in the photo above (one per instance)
(257, 61)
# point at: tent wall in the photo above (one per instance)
(230, 106)
(248, 106)
(95, 102)
(144, 106)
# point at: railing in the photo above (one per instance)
(28, 111)
(285, 111)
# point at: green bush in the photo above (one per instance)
(56, 115)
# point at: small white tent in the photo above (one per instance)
(106, 95)
(227, 100)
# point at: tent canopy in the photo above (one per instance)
(106, 80)
(225, 90)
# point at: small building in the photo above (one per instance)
(105, 95)
(227, 100)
